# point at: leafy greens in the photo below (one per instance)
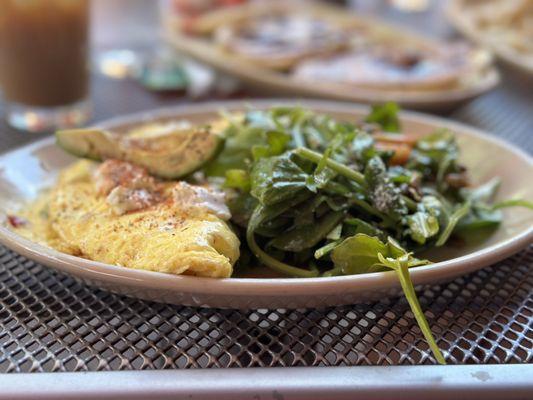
(315, 196)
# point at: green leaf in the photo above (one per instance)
(435, 155)
(442, 141)
(484, 193)
(358, 254)
(362, 253)
(307, 236)
(266, 259)
(354, 226)
(363, 147)
(480, 217)
(237, 152)
(385, 115)
(422, 226)
(276, 179)
(241, 207)
(454, 219)
(385, 197)
(398, 174)
(237, 179)
(276, 144)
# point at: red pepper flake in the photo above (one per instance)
(16, 222)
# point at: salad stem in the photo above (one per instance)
(452, 223)
(270, 261)
(334, 165)
(513, 203)
(344, 171)
(410, 294)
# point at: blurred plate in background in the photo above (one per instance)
(375, 44)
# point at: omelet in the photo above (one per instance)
(116, 213)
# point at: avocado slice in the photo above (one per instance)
(166, 153)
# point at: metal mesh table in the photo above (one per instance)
(50, 323)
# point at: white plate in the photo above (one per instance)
(25, 171)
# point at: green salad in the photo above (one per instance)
(317, 197)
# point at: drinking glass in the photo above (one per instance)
(44, 63)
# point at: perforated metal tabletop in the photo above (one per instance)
(50, 323)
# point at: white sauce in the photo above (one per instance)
(199, 198)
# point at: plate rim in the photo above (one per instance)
(90, 269)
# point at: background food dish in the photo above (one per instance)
(429, 80)
(43, 158)
(503, 26)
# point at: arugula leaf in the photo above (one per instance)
(479, 217)
(306, 236)
(255, 220)
(422, 226)
(385, 115)
(483, 193)
(426, 222)
(322, 175)
(435, 155)
(454, 219)
(276, 179)
(238, 179)
(237, 151)
(362, 253)
(358, 254)
(354, 226)
(241, 207)
(363, 147)
(277, 143)
(385, 197)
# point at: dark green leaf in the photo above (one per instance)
(307, 236)
(276, 179)
(360, 254)
(385, 197)
(385, 115)
(354, 226)
(241, 207)
(435, 155)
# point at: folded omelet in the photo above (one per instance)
(116, 213)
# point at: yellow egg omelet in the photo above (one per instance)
(133, 222)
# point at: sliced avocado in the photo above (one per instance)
(87, 143)
(172, 154)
